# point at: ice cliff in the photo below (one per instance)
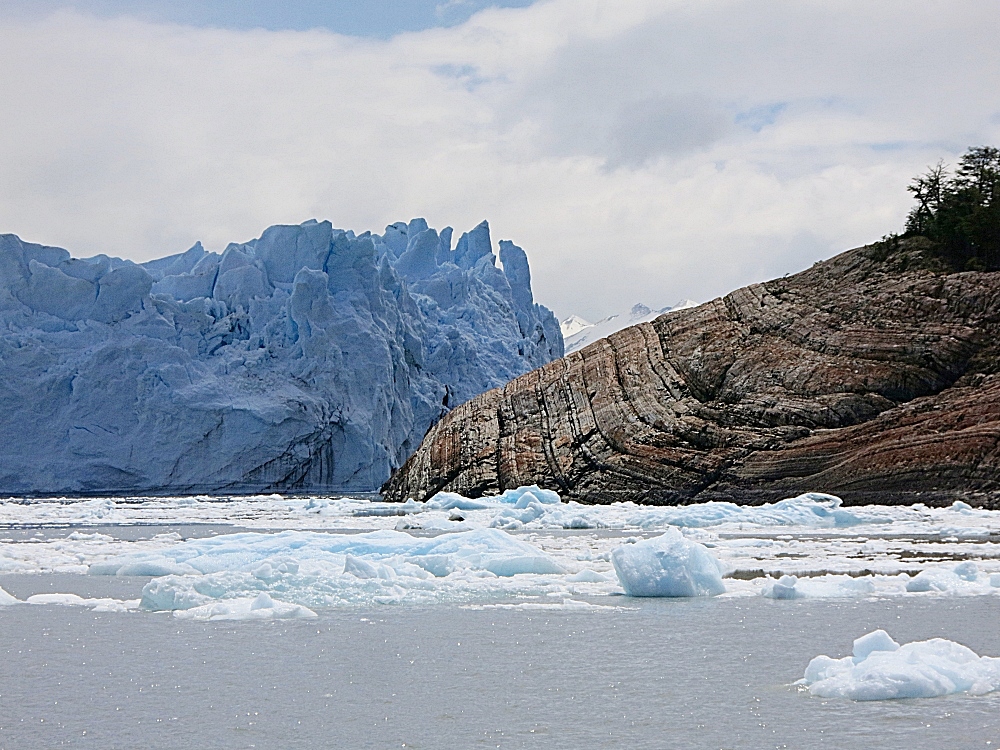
(309, 358)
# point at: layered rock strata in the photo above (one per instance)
(873, 376)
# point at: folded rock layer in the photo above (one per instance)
(873, 376)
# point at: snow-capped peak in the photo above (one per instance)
(577, 333)
(573, 324)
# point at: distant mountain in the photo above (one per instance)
(573, 324)
(578, 333)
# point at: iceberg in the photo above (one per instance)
(260, 607)
(74, 600)
(536, 508)
(881, 669)
(962, 578)
(310, 358)
(667, 565)
(830, 586)
(324, 569)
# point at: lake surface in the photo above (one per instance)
(553, 656)
(661, 674)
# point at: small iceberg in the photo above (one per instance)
(261, 607)
(219, 577)
(962, 578)
(667, 565)
(829, 586)
(881, 669)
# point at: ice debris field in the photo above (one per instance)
(273, 556)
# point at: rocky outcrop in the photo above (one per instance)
(873, 376)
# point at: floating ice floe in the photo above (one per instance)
(566, 605)
(500, 549)
(881, 669)
(536, 508)
(74, 600)
(668, 565)
(819, 587)
(482, 549)
(528, 508)
(963, 578)
(311, 568)
(261, 607)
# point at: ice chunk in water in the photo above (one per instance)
(881, 669)
(521, 497)
(63, 599)
(962, 577)
(361, 568)
(818, 587)
(6, 599)
(668, 565)
(262, 607)
(74, 600)
(877, 640)
(588, 576)
(324, 568)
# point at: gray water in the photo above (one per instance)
(668, 674)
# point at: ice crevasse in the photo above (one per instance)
(310, 358)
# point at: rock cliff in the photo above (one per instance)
(873, 376)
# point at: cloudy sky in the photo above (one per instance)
(639, 150)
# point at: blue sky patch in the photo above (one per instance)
(366, 18)
(760, 117)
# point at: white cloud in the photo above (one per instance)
(637, 150)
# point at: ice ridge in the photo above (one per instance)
(310, 358)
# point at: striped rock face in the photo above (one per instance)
(873, 376)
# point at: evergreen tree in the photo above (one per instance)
(961, 212)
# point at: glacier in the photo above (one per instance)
(310, 358)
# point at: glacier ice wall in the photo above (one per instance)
(310, 358)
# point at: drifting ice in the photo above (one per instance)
(881, 669)
(261, 607)
(668, 565)
(321, 568)
(818, 587)
(959, 579)
(532, 507)
(308, 358)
